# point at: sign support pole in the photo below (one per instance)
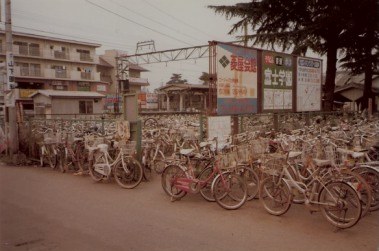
(11, 116)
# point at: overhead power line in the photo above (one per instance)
(157, 22)
(177, 19)
(134, 22)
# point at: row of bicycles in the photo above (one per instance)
(104, 156)
(330, 169)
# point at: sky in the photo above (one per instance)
(121, 24)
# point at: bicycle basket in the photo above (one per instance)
(244, 153)
(228, 160)
(258, 147)
(273, 164)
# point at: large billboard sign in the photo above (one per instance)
(309, 77)
(277, 81)
(236, 80)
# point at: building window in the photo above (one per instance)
(35, 70)
(24, 68)
(22, 47)
(34, 49)
(85, 107)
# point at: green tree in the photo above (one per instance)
(298, 25)
(205, 78)
(176, 79)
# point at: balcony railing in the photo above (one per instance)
(85, 75)
(60, 73)
(34, 51)
(60, 55)
(85, 57)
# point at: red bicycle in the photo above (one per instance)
(214, 184)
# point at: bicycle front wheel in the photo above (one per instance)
(229, 190)
(206, 181)
(128, 172)
(251, 180)
(275, 196)
(340, 204)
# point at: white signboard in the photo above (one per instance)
(309, 77)
(220, 127)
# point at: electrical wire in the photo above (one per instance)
(177, 19)
(157, 22)
(134, 22)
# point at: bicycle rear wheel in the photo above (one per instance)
(128, 172)
(340, 204)
(275, 195)
(361, 186)
(169, 174)
(229, 190)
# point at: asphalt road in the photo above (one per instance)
(42, 209)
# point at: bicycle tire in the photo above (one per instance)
(132, 177)
(96, 160)
(346, 198)
(147, 173)
(371, 176)
(150, 123)
(51, 156)
(361, 186)
(206, 189)
(229, 191)
(169, 174)
(251, 179)
(275, 196)
(159, 165)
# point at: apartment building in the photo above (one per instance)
(108, 69)
(47, 63)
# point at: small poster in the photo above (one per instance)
(277, 70)
(309, 80)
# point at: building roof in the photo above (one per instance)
(21, 34)
(177, 87)
(104, 63)
(139, 81)
(353, 85)
(137, 68)
(68, 94)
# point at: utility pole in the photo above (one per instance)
(10, 102)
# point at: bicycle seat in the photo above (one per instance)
(322, 162)
(293, 154)
(357, 155)
(187, 152)
(204, 144)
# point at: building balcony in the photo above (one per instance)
(91, 76)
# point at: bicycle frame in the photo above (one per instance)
(191, 184)
(106, 168)
(309, 191)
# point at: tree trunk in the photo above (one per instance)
(330, 75)
(367, 91)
